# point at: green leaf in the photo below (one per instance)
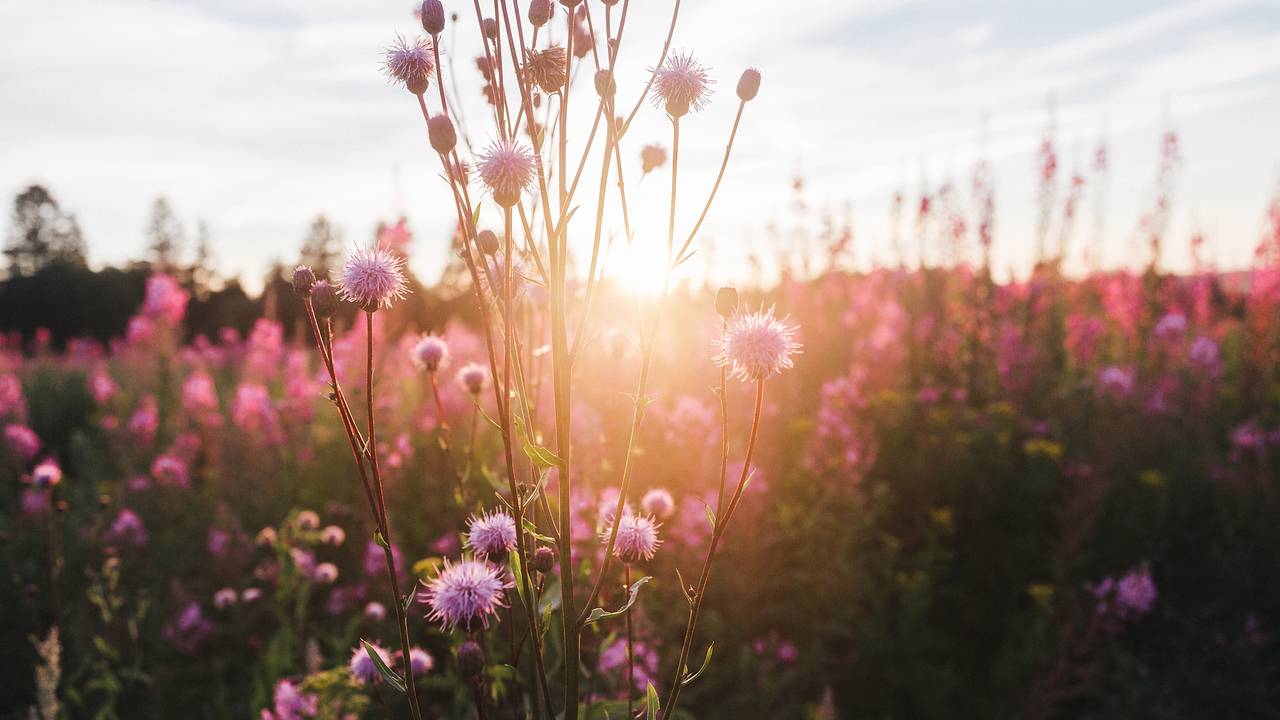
(475, 216)
(517, 567)
(387, 673)
(651, 703)
(378, 538)
(706, 662)
(711, 515)
(541, 456)
(598, 614)
(684, 587)
(542, 485)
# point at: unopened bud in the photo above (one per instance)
(539, 12)
(441, 133)
(490, 28)
(677, 108)
(726, 302)
(470, 659)
(433, 16)
(324, 299)
(569, 3)
(417, 84)
(488, 242)
(605, 86)
(749, 84)
(543, 560)
(303, 279)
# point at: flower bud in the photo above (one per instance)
(605, 86)
(432, 16)
(488, 242)
(490, 28)
(303, 279)
(749, 84)
(569, 3)
(539, 12)
(726, 302)
(543, 560)
(677, 108)
(470, 659)
(440, 131)
(417, 84)
(324, 299)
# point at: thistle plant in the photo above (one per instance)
(527, 180)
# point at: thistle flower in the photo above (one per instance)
(46, 474)
(409, 63)
(375, 611)
(659, 503)
(373, 279)
(333, 535)
(637, 538)
(757, 345)
(506, 168)
(465, 592)
(681, 85)
(430, 353)
(441, 133)
(324, 300)
(307, 520)
(473, 377)
(546, 68)
(491, 535)
(303, 279)
(652, 157)
(420, 662)
(432, 16)
(290, 703)
(225, 598)
(362, 666)
(325, 573)
(470, 659)
(749, 84)
(22, 440)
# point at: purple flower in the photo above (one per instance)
(420, 662)
(333, 535)
(1204, 353)
(188, 629)
(290, 703)
(1171, 326)
(171, 471)
(375, 559)
(22, 440)
(46, 474)
(473, 377)
(127, 529)
(491, 535)
(325, 573)
(465, 592)
(757, 345)
(410, 63)
(637, 538)
(430, 353)
(362, 666)
(1116, 381)
(225, 598)
(659, 503)
(681, 85)
(1135, 594)
(375, 611)
(373, 279)
(506, 168)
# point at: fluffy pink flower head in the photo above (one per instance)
(659, 503)
(362, 666)
(637, 538)
(22, 440)
(491, 535)
(420, 662)
(325, 573)
(46, 474)
(473, 377)
(681, 85)
(409, 63)
(225, 598)
(373, 279)
(1136, 593)
(757, 345)
(465, 592)
(506, 168)
(165, 301)
(430, 353)
(171, 471)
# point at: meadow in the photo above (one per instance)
(530, 491)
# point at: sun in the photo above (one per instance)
(638, 267)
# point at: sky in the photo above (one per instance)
(257, 115)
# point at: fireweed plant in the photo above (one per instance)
(519, 548)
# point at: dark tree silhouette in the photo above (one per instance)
(42, 233)
(322, 246)
(164, 235)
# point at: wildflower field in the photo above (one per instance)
(526, 490)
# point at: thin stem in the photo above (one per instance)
(631, 689)
(700, 591)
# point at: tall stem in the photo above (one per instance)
(631, 682)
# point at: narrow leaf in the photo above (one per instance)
(706, 662)
(598, 614)
(387, 673)
(651, 704)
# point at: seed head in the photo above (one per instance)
(303, 279)
(441, 133)
(490, 28)
(652, 157)
(470, 659)
(431, 353)
(539, 12)
(488, 242)
(506, 168)
(324, 300)
(681, 85)
(409, 63)
(749, 84)
(432, 16)
(491, 535)
(543, 560)
(546, 68)
(373, 279)
(757, 345)
(465, 593)
(637, 538)
(605, 86)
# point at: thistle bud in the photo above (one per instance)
(303, 279)
(324, 299)
(470, 659)
(488, 242)
(605, 86)
(539, 12)
(417, 85)
(726, 302)
(490, 28)
(570, 3)
(432, 16)
(441, 133)
(543, 560)
(749, 84)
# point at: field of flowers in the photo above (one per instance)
(909, 492)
